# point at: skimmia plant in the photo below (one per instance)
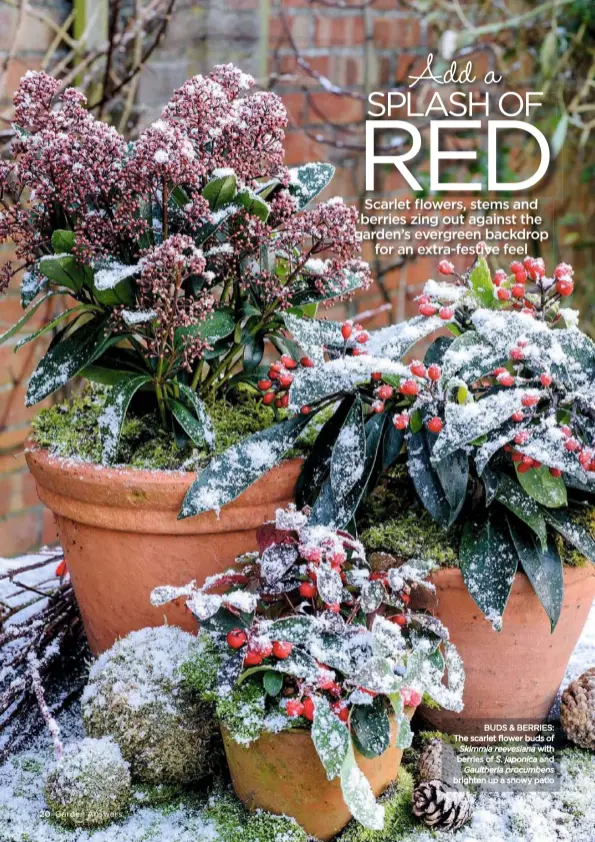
(181, 250)
(305, 634)
(496, 426)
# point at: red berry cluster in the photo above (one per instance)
(258, 649)
(585, 455)
(354, 336)
(409, 387)
(276, 385)
(426, 307)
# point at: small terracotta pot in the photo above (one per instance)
(515, 673)
(281, 773)
(121, 537)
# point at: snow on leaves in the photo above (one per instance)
(349, 452)
(330, 737)
(394, 341)
(358, 794)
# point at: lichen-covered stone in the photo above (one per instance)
(136, 694)
(90, 785)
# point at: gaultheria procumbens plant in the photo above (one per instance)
(305, 634)
(181, 250)
(496, 425)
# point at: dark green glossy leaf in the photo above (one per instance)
(426, 480)
(32, 284)
(272, 682)
(370, 729)
(543, 567)
(542, 486)
(511, 495)
(199, 412)
(254, 204)
(491, 482)
(65, 270)
(489, 562)
(63, 241)
(435, 353)
(114, 412)
(574, 532)
(307, 181)
(65, 314)
(349, 452)
(253, 351)
(392, 444)
(15, 328)
(453, 473)
(220, 191)
(482, 284)
(217, 325)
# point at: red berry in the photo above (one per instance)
(446, 313)
(521, 438)
(563, 270)
(516, 354)
(306, 362)
(305, 410)
(585, 458)
(411, 698)
(428, 309)
(409, 387)
(307, 590)
(517, 457)
(376, 376)
(546, 379)
(61, 569)
(285, 380)
(536, 269)
(236, 638)
(288, 362)
(518, 291)
(378, 406)
(499, 371)
(418, 368)
(529, 400)
(435, 424)
(385, 392)
(445, 267)
(264, 385)
(524, 467)
(399, 620)
(401, 421)
(572, 445)
(340, 710)
(334, 607)
(566, 431)
(503, 294)
(520, 276)
(268, 398)
(517, 416)
(499, 277)
(423, 299)
(556, 472)
(405, 598)
(362, 337)
(516, 266)
(565, 287)
(506, 379)
(346, 330)
(253, 658)
(273, 373)
(294, 708)
(276, 366)
(309, 709)
(282, 649)
(434, 372)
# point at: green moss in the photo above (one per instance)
(569, 554)
(398, 816)
(71, 430)
(235, 824)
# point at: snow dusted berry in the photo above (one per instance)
(565, 287)
(546, 379)
(377, 407)
(555, 472)
(306, 362)
(294, 708)
(307, 590)
(563, 270)
(428, 309)
(499, 277)
(516, 266)
(585, 458)
(340, 710)
(236, 638)
(376, 376)
(253, 658)
(411, 698)
(418, 369)
(535, 267)
(518, 291)
(434, 372)
(282, 649)
(506, 379)
(362, 337)
(346, 330)
(445, 267)
(572, 445)
(334, 607)
(409, 387)
(309, 709)
(401, 421)
(288, 362)
(268, 398)
(285, 380)
(264, 385)
(530, 400)
(399, 619)
(503, 294)
(306, 410)
(385, 392)
(517, 416)
(522, 437)
(435, 424)
(446, 313)
(516, 354)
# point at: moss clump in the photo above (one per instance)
(71, 430)
(394, 521)
(569, 554)
(90, 785)
(242, 712)
(235, 824)
(398, 820)
(136, 694)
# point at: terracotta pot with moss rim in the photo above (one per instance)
(281, 773)
(121, 536)
(515, 673)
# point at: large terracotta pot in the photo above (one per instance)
(121, 537)
(515, 673)
(281, 773)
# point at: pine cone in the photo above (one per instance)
(440, 806)
(577, 710)
(439, 762)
